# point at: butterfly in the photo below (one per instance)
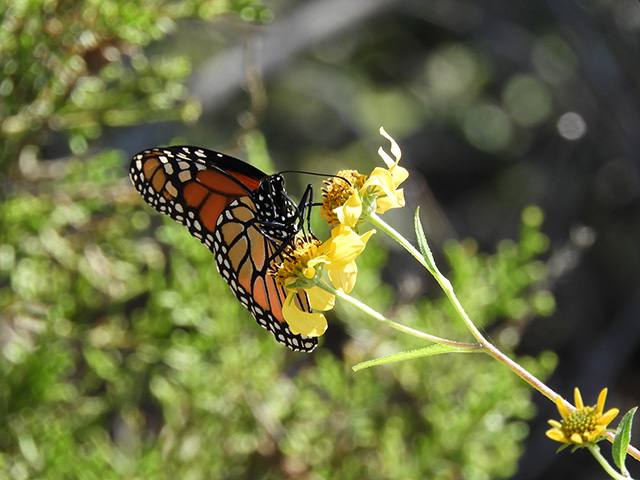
(242, 214)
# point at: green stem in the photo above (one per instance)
(440, 278)
(483, 344)
(389, 230)
(402, 328)
(595, 451)
(446, 286)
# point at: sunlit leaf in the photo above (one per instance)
(436, 349)
(622, 439)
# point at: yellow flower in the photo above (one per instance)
(350, 197)
(342, 249)
(302, 269)
(582, 425)
(310, 324)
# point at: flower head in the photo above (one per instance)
(582, 425)
(337, 193)
(350, 197)
(302, 268)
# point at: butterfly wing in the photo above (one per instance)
(214, 196)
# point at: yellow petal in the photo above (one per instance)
(578, 398)
(349, 213)
(387, 203)
(398, 174)
(366, 236)
(383, 184)
(308, 324)
(610, 415)
(395, 150)
(596, 433)
(601, 399)
(576, 438)
(303, 323)
(343, 273)
(344, 280)
(562, 407)
(557, 435)
(320, 299)
(555, 423)
(380, 178)
(315, 261)
(342, 248)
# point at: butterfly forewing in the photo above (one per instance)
(234, 209)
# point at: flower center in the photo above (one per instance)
(337, 191)
(581, 421)
(294, 260)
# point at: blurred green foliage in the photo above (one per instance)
(74, 68)
(124, 355)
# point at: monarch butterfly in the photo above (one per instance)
(243, 215)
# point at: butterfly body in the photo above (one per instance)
(241, 214)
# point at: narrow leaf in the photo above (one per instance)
(622, 439)
(422, 242)
(436, 349)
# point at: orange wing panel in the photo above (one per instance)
(223, 185)
(149, 167)
(275, 301)
(194, 194)
(211, 210)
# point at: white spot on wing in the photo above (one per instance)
(171, 189)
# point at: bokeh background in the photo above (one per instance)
(123, 355)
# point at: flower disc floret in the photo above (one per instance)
(581, 421)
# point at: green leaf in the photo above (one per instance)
(422, 242)
(436, 349)
(623, 436)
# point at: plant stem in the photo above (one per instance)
(446, 286)
(483, 344)
(595, 451)
(402, 328)
(441, 279)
